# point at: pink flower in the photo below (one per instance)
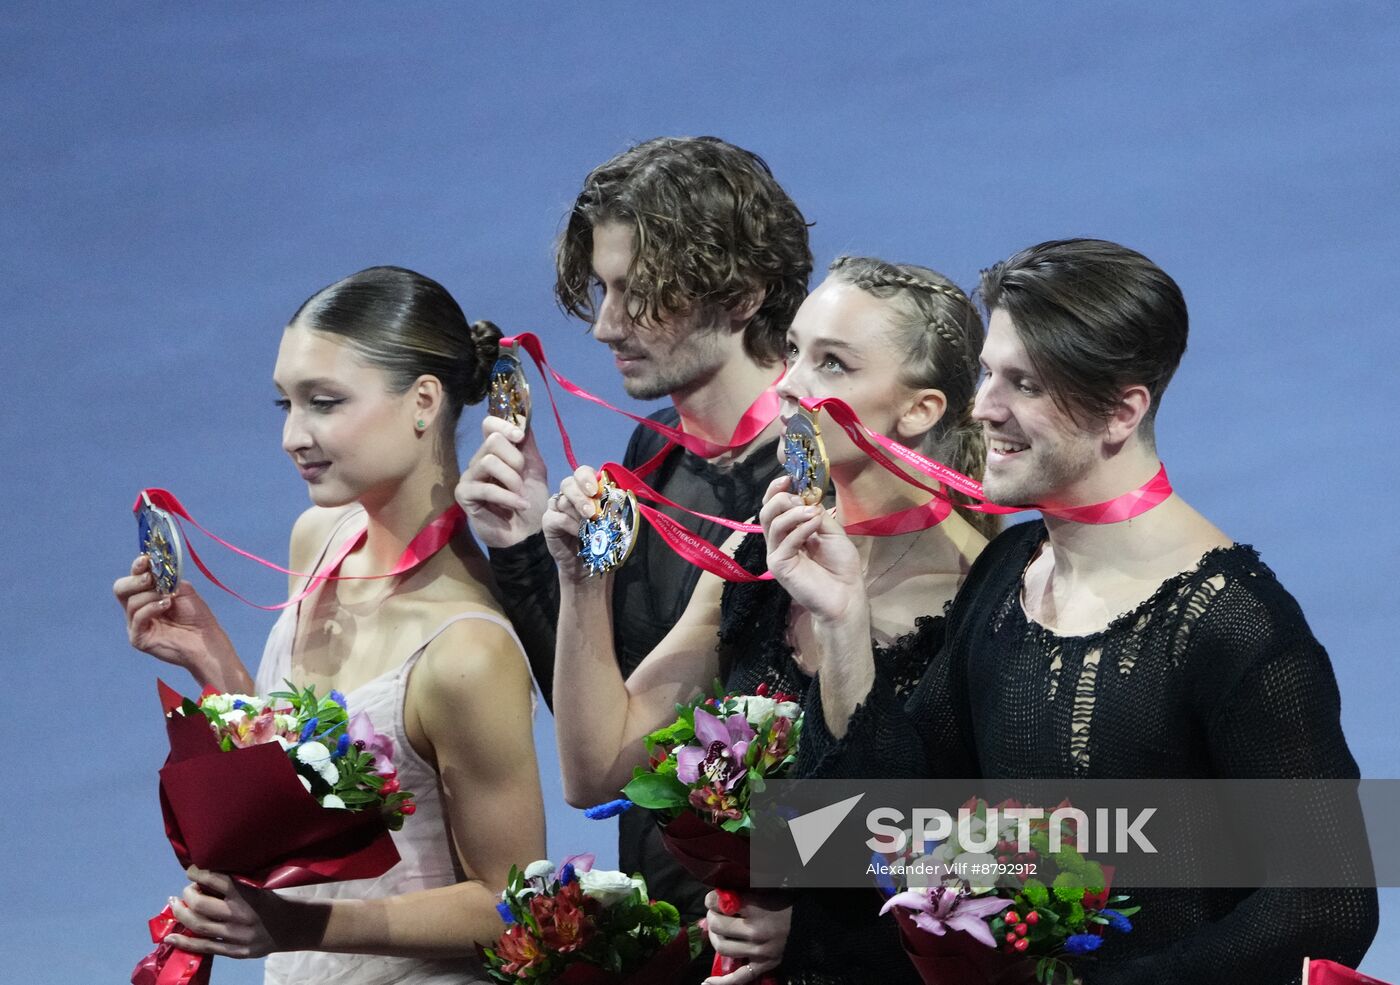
(581, 863)
(720, 753)
(381, 747)
(941, 908)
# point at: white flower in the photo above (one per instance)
(539, 872)
(234, 716)
(304, 782)
(757, 709)
(223, 703)
(978, 870)
(605, 886)
(332, 801)
(318, 757)
(788, 709)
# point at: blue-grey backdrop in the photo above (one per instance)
(177, 178)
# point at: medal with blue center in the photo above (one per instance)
(158, 537)
(509, 395)
(607, 538)
(804, 457)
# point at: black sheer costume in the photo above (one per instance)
(837, 936)
(1216, 675)
(650, 592)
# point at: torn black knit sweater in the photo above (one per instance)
(837, 936)
(1216, 675)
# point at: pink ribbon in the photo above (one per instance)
(759, 415)
(1124, 507)
(427, 542)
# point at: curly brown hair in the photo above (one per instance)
(712, 226)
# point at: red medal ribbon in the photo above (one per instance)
(427, 542)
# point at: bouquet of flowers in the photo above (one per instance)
(1009, 915)
(338, 757)
(287, 790)
(702, 770)
(716, 754)
(576, 925)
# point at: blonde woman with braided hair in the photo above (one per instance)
(900, 344)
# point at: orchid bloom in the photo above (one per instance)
(720, 753)
(942, 908)
(381, 747)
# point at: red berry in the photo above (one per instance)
(762, 690)
(408, 808)
(1004, 859)
(1033, 918)
(1012, 916)
(1022, 929)
(1022, 944)
(389, 786)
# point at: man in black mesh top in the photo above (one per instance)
(1149, 647)
(689, 261)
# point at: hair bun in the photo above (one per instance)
(486, 342)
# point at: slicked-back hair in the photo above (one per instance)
(711, 225)
(1094, 318)
(409, 326)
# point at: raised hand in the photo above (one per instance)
(810, 555)
(575, 502)
(505, 486)
(179, 629)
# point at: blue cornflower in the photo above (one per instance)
(566, 874)
(239, 703)
(1082, 943)
(882, 878)
(601, 812)
(342, 745)
(1117, 921)
(338, 698)
(310, 729)
(503, 908)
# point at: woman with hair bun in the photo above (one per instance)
(372, 374)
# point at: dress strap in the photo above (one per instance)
(490, 617)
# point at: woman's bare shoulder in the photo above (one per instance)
(311, 531)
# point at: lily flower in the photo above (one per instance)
(942, 908)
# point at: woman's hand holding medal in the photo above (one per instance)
(810, 555)
(178, 628)
(505, 487)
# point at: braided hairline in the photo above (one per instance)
(869, 279)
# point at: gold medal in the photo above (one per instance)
(606, 540)
(509, 395)
(804, 457)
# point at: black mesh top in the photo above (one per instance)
(1216, 675)
(837, 936)
(650, 591)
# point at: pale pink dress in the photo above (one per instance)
(424, 843)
